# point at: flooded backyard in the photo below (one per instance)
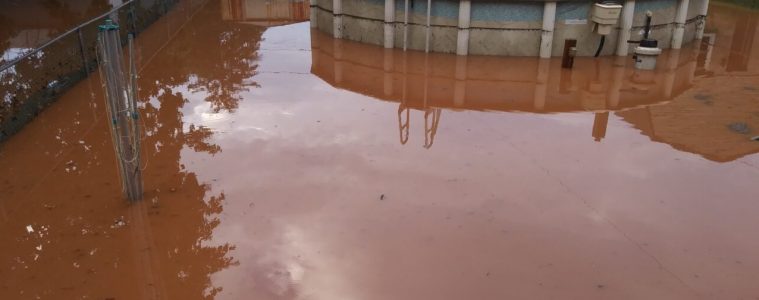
(280, 163)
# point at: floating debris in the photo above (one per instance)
(118, 223)
(182, 275)
(29, 229)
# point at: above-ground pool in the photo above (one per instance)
(513, 28)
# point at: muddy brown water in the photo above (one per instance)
(283, 164)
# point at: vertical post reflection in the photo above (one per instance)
(541, 85)
(618, 75)
(337, 62)
(459, 87)
(403, 126)
(151, 286)
(387, 76)
(599, 125)
(671, 72)
(430, 127)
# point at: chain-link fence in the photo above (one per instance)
(31, 81)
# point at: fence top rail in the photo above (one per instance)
(61, 36)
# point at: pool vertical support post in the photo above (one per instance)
(541, 84)
(337, 21)
(405, 25)
(625, 24)
(679, 31)
(459, 87)
(462, 39)
(387, 74)
(313, 13)
(427, 32)
(701, 23)
(389, 26)
(673, 60)
(549, 22)
(82, 51)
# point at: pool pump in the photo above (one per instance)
(604, 16)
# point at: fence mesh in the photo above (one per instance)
(29, 84)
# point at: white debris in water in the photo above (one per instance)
(76, 265)
(29, 229)
(118, 223)
(182, 275)
(39, 248)
(92, 252)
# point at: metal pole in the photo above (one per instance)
(462, 38)
(625, 24)
(549, 21)
(135, 117)
(679, 31)
(81, 50)
(389, 26)
(701, 23)
(427, 36)
(405, 27)
(120, 94)
(313, 14)
(337, 21)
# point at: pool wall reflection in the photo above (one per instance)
(419, 80)
(435, 82)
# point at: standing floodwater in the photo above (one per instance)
(280, 163)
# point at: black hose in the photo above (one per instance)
(600, 45)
